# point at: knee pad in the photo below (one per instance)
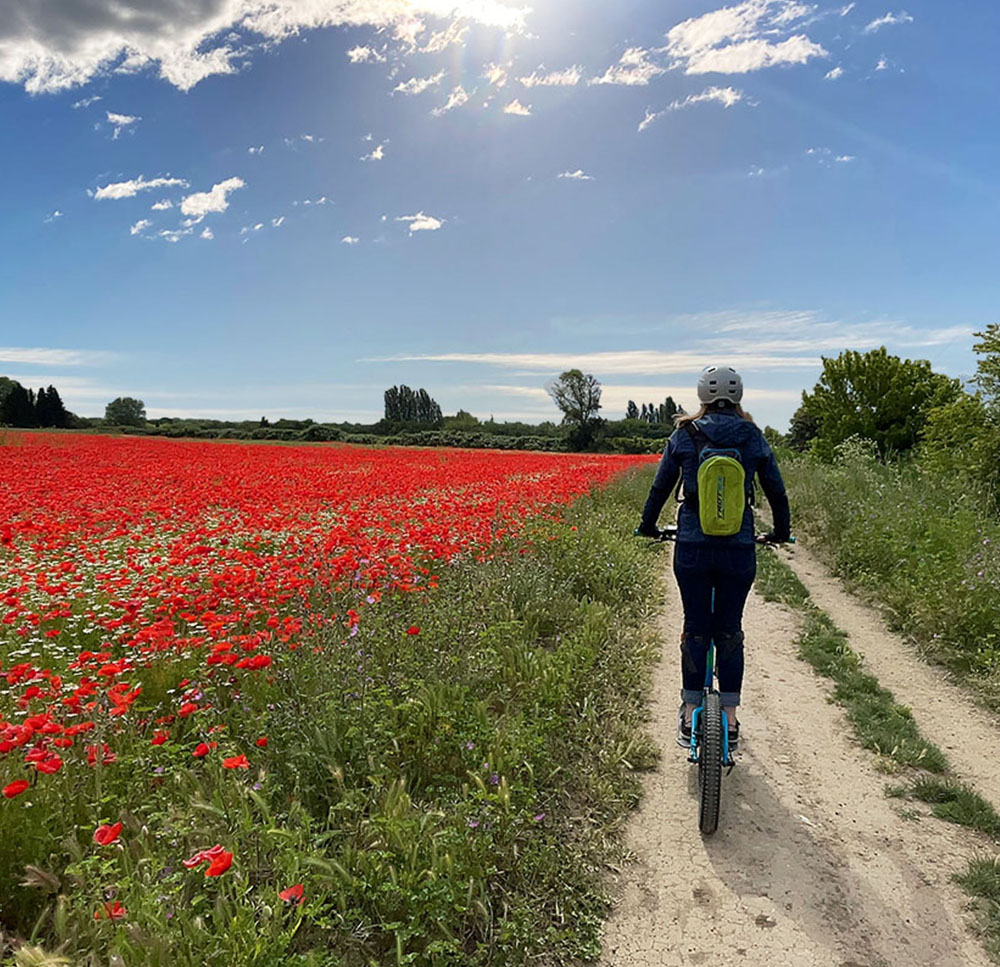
(691, 645)
(729, 644)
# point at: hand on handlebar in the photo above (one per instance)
(770, 540)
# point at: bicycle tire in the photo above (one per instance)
(710, 765)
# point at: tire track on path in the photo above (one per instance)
(811, 866)
(943, 711)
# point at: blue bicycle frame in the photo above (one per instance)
(696, 714)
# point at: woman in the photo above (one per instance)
(715, 574)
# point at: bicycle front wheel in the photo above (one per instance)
(710, 764)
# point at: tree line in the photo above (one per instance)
(21, 407)
(904, 410)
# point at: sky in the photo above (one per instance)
(237, 208)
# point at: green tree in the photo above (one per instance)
(987, 376)
(876, 396)
(667, 410)
(18, 407)
(125, 411)
(578, 395)
(631, 411)
(962, 439)
(404, 405)
(58, 414)
(462, 421)
(803, 427)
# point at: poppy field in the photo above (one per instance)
(314, 704)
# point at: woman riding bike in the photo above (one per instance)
(715, 573)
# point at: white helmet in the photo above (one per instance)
(719, 384)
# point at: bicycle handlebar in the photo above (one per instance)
(670, 534)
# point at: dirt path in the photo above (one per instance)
(811, 867)
(939, 707)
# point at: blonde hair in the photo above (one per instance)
(705, 409)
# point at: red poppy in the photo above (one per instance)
(159, 737)
(106, 835)
(111, 911)
(15, 788)
(200, 750)
(262, 742)
(236, 762)
(219, 860)
(219, 864)
(50, 765)
(293, 893)
(413, 630)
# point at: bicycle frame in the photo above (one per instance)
(727, 758)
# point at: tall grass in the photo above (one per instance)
(447, 797)
(917, 543)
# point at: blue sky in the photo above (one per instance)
(233, 208)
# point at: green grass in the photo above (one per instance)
(888, 729)
(880, 723)
(956, 802)
(925, 547)
(982, 882)
(449, 798)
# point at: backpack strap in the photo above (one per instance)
(700, 439)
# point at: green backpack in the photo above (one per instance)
(723, 494)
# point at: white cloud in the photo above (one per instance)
(258, 149)
(129, 189)
(350, 240)
(417, 85)
(86, 102)
(377, 154)
(365, 55)
(207, 233)
(163, 205)
(38, 356)
(313, 201)
(54, 46)
(634, 69)
(836, 73)
(845, 158)
(567, 77)
(202, 203)
(757, 172)
(174, 235)
(140, 226)
(578, 175)
(121, 122)
(844, 11)
(628, 362)
(890, 19)
(517, 108)
(453, 34)
(306, 138)
(421, 222)
(882, 64)
(739, 39)
(457, 98)
(278, 222)
(53, 216)
(726, 96)
(496, 74)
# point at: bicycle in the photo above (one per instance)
(709, 748)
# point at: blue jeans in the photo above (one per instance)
(728, 572)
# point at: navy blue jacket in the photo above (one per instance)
(726, 429)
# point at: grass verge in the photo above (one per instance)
(880, 722)
(888, 729)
